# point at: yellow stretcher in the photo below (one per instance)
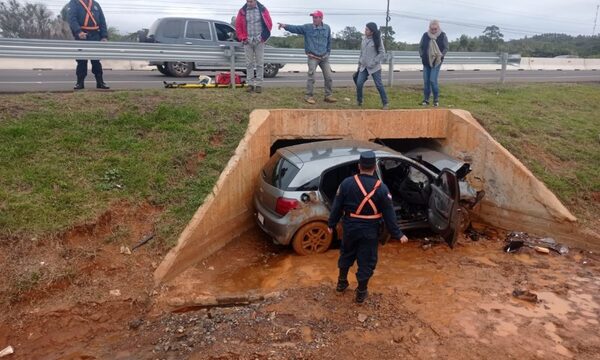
(175, 85)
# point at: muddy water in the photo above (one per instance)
(465, 292)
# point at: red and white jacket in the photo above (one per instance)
(241, 27)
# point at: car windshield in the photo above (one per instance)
(279, 172)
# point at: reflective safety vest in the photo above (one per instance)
(367, 199)
(89, 16)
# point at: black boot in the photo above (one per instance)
(100, 84)
(342, 283)
(361, 292)
(79, 85)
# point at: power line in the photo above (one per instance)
(596, 20)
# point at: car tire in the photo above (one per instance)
(312, 238)
(180, 68)
(271, 70)
(163, 70)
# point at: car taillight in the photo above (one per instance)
(284, 205)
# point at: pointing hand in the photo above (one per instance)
(280, 26)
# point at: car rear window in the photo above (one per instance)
(172, 28)
(279, 172)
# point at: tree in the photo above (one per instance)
(492, 38)
(388, 36)
(33, 21)
(349, 38)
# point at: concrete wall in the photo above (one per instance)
(515, 199)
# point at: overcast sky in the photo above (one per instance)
(409, 18)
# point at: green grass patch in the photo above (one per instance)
(66, 157)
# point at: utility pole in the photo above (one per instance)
(595, 21)
(387, 26)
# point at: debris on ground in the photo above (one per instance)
(115, 292)
(516, 240)
(125, 250)
(525, 295)
(144, 241)
(9, 350)
(362, 318)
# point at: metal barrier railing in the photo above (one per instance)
(219, 55)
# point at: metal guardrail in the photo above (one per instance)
(218, 55)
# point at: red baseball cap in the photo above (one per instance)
(317, 13)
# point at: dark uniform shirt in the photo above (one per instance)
(77, 15)
(349, 197)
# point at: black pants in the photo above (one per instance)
(360, 244)
(82, 67)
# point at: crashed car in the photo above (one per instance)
(297, 186)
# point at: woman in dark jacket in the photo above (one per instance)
(432, 48)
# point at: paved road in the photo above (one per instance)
(63, 80)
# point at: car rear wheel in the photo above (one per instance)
(312, 238)
(180, 69)
(271, 70)
(162, 69)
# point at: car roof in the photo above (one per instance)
(188, 18)
(339, 150)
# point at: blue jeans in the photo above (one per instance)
(430, 82)
(360, 83)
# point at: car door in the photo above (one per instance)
(443, 206)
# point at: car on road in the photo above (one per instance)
(297, 186)
(190, 31)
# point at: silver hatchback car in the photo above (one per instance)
(297, 187)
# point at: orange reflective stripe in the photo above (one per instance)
(88, 16)
(368, 217)
(367, 198)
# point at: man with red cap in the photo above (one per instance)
(317, 45)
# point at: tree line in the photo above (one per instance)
(35, 21)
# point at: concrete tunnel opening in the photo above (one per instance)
(515, 199)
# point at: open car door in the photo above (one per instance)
(443, 206)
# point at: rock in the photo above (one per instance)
(272, 316)
(115, 292)
(362, 318)
(211, 268)
(541, 250)
(125, 250)
(9, 350)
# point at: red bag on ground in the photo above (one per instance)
(224, 78)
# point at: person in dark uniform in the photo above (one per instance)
(364, 201)
(87, 22)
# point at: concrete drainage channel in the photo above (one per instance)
(515, 199)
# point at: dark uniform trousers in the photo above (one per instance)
(360, 244)
(82, 66)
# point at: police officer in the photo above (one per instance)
(363, 200)
(87, 22)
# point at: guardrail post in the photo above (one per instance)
(391, 68)
(504, 60)
(232, 73)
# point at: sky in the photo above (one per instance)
(409, 18)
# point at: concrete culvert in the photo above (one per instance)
(514, 200)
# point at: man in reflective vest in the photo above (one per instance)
(87, 22)
(364, 201)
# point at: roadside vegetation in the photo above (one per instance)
(67, 158)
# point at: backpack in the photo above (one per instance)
(224, 78)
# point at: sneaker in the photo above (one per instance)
(102, 86)
(424, 103)
(342, 285)
(330, 99)
(250, 88)
(310, 100)
(361, 296)
(78, 86)
(258, 89)
(436, 103)
(385, 107)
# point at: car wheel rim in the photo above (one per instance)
(180, 68)
(314, 240)
(269, 68)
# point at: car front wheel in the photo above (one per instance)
(162, 69)
(180, 69)
(312, 238)
(271, 70)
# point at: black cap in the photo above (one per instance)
(367, 159)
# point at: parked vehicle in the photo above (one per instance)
(297, 187)
(189, 31)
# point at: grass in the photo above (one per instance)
(67, 157)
